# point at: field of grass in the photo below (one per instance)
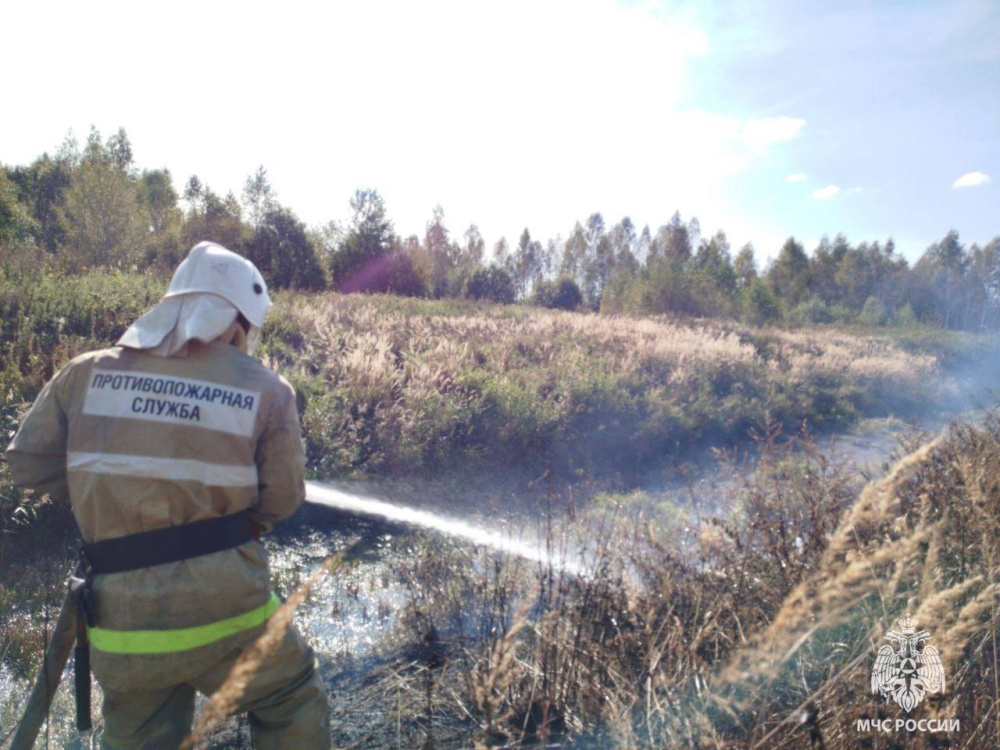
(392, 385)
(398, 386)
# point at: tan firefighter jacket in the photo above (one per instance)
(137, 442)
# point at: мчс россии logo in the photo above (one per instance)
(910, 668)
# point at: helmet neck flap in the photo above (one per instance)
(210, 288)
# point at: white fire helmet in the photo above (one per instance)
(214, 269)
(209, 288)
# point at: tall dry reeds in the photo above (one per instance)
(924, 540)
(389, 388)
(758, 629)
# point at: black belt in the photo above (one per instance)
(141, 551)
(167, 545)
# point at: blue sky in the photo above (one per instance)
(539, 112)
(900, 100)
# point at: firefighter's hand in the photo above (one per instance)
(257, 529)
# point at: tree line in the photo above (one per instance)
(92, 207)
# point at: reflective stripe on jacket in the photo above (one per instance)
(137, 442)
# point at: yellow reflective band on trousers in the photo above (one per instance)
(182, 639)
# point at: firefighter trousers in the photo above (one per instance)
(285, 700)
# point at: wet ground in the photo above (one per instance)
(352, 613)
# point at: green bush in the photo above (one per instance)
(905, 317)
(561, 294)
(760, 304)
(811, 312)
(874, 313)
(493, 283)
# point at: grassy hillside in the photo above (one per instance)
(390, 385)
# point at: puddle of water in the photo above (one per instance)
(353, 610)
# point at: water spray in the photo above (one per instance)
(332, 497)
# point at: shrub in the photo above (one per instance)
(493, 283)
(561, 294)
(905, 317)
(810, 312)
(760, 304)
(874, 313)
(397, 384)
(402, 276)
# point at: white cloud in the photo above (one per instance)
(826, 193)
(795, 177)
(972, 179)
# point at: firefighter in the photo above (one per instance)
(175, 449)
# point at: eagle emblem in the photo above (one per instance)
(910, 668)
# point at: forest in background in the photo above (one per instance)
(92, 207)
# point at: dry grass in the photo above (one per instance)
(759, 630)
(922, 540)
(393, 388)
